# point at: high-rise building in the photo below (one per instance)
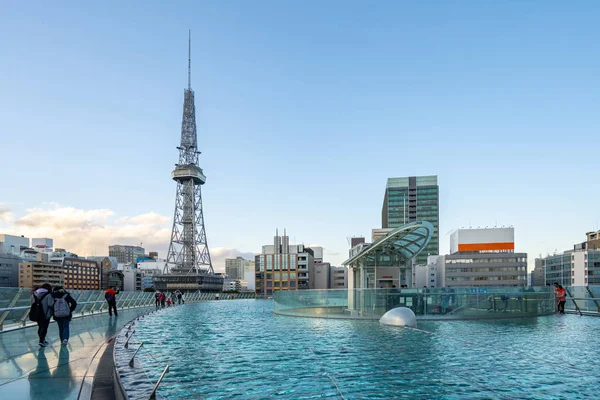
(126, 254)
(414, 198)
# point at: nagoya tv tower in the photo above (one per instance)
(189, 249)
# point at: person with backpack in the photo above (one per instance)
(42, 304)
(111, 298)
(64, 305)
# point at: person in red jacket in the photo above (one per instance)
(111, 298)
(162, 299)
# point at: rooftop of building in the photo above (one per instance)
(407, 241)
(402, 182)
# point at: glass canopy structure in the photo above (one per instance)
(386, 262)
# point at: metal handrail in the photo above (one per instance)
(134, 354)
(127, 341)
(153, 394)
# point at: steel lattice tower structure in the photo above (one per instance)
(188, 249)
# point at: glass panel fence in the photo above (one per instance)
(442, 303)
(15, 303)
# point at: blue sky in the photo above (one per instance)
(304, 109)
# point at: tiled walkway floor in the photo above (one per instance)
(55, 372)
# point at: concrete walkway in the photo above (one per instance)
(57, 372)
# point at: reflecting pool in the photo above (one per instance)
(220, 350)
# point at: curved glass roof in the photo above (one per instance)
(406, 241)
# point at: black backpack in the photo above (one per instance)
(36, 312)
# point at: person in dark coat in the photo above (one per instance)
(64, 305)
(47, 302)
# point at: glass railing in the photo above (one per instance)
(15, 303)
(583, 300)
(443, 303)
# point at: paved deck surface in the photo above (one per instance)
(57, 372)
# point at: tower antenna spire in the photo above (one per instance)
(190, 59)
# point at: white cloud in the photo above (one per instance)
(88, 232)
(5, 213)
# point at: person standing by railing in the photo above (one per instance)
(64, 305)
(42, 303)
(111, 298)
(157, 299)
(561, 298)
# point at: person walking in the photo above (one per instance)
(179, 297)
(42, 303)
(111, 298)
(561, 298)
(162, 299)
(64, 305)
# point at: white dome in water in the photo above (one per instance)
(399, 316)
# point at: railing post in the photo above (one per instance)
(134, 354)
(587, 288)
(10, 305)
(127, 341)
(153, 394)
(574, 302)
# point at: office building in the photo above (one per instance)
(9, 270)
(282, 266)
(10, 244)
(249, 278)
(106, 264)
(414, 198)
(338, 278)
(577, 267)
(126, 254)
(431, 275)
(148, 276)
(538, 275)
(81, 274)
(593, 240)
(234, 267)
(36, 273)
(484, 257)
(133, 279)
(319, 276)
(325, 276)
